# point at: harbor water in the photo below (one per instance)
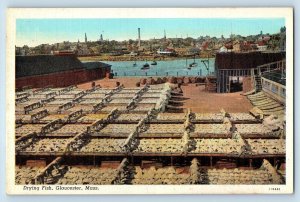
(163, 68)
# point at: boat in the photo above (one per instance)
(193, 64)
(154, 63)
(146, 66)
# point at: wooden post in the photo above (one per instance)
(250, 163)
(171, 160)
(211, 162)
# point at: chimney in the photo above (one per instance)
(139, 35)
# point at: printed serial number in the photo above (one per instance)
(274, 189)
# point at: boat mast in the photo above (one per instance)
(186, 64)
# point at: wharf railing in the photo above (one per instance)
(276, 90)
(223, 75)
(168, 73)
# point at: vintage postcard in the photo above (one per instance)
(149, 101)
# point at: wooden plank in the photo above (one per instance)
(43, 154)
(36, 163)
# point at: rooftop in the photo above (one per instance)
(45, 64)
(94, 65)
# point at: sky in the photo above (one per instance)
(33, 32)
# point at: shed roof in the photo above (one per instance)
(94, 65)
(45, 64)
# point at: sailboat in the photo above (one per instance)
(186, 64)
(134, 64)
(194, 64)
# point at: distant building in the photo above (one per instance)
(223, 49)
(20, 51)
(82, 49)
(56, 70)
(85, 38)
(236, 46)
(204, 45)
(193, 51)
(132, 54)
(141, 49)
(63, 52)
(262, 48)
(181, 51)
(282, 41)
(169, 52)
